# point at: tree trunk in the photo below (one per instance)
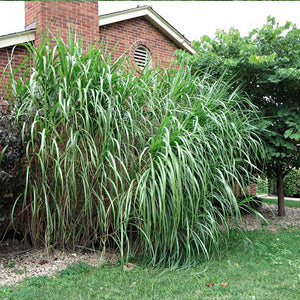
(280, 193)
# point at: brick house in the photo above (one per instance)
(140, 33)
(142, 28)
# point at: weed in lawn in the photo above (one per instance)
(10, 264)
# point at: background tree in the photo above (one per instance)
(266, 63)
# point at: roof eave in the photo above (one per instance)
(17, 38)
(154, 18)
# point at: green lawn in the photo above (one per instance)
(268, 267)
(289, 203)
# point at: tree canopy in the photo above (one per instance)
(266, 64)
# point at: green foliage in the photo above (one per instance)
(133, 163)
(249, 205)
(11, 155)
(266, 266)
(12, 170)
(292, 183)
(266, 63)
(262, 185)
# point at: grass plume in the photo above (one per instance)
(141, 164)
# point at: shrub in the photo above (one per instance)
(12, 152)
(262, 185)
(12, 168)
(292, 183)
(133, 163)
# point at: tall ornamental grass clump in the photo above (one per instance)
(143, 164)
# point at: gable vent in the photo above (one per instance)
(142, 56)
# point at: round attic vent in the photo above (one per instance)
(142, 56)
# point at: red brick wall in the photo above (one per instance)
(126, 35)
(57, 16)
(82, 17)
(5, 55)
(249, 190)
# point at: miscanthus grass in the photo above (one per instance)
(142, 164)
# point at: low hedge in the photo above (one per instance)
(292, 183)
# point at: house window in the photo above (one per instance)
(142, 56)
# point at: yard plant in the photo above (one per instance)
(142, 164)
(266, 64)
(292, 183)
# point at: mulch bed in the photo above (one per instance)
(271, 221)
(18, 263)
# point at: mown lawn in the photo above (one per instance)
(265, 267)
(290, 203)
